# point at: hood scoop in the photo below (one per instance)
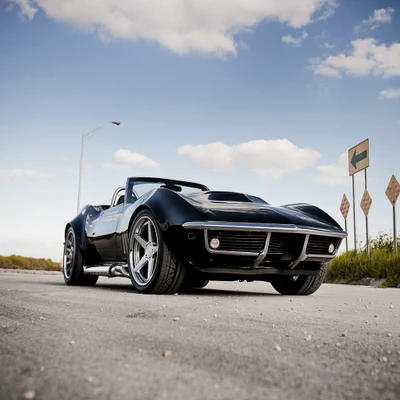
(225, 196)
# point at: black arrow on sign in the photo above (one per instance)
(358, 157)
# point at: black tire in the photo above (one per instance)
(73, 263)
(153, 268)
(300, 284)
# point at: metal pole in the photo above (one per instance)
(345, 228)
(87, 136)
(354, 214)
(394, 230)
(80, 174)
(366, 217)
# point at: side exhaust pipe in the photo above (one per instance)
(118, 270)
(111, 271)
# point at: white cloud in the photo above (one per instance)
(327, 45)
(270, 158)
(328, 11)
(183, 26)
(124, 159)
(27, 8)
(366, 58)
(320, 68)
(382, 16)
(389, 94)
(335, 174)
(28, 174)
(321, 36)
(289, 39)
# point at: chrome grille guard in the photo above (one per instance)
(268, 229)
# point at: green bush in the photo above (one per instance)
(383, 241)
(19, 262)
(383, 263)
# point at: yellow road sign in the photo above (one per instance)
(393, 190)
(359, 157)
(344, 206)
(366, 202)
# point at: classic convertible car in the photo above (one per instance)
(168, 235)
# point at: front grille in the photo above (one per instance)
(282, 246)
(239, 241)
(280, 243)
(320, 244)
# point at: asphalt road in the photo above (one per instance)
(227, 341)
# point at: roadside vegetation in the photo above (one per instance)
(19, 262)
(358, 268)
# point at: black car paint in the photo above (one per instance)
(102, 232)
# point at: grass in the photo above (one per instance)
(352, 267)
(19, 262)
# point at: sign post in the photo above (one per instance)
(358, 160)
(392, 192)
(365, 204)
(344, 209)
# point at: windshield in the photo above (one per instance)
(137, 187)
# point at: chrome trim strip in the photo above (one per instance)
(264, 252)
(244, 226)
(303, 254)
(115, 195)
(327, 256)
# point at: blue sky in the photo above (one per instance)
(262, 97)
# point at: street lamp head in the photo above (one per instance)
(87, 136)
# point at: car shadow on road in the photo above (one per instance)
(189, 292)
(224, 292)
(127, 287)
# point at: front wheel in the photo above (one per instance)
(153, 268)
(299, 284)
(73, 263)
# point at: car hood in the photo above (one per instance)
(238, 207)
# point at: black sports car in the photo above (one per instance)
(167, 235)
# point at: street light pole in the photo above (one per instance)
(87, 136)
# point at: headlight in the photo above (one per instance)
(214, 243)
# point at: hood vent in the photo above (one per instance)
(228, 196)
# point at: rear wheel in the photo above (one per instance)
(299, 284)
(153, 268)
(73, 263)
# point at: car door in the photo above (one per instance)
(104, 235)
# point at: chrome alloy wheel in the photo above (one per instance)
(143, 251)
(69, 250)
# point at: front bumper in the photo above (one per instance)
(269, 245)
